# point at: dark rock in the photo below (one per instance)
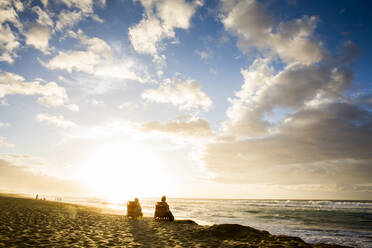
(232, 231)
(189, 222)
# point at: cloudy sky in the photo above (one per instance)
(189, 98)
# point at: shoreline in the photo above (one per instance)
(30, 222)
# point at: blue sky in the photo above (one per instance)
(240, 99)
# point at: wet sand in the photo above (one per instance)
(37, 223)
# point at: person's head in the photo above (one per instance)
(163, 199)
(136, 199)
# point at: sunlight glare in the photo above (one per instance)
(120, 171)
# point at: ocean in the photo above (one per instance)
(334, 222)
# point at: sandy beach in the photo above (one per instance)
(37, 223)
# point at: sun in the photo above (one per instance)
(120, 171)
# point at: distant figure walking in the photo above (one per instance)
(37, 197)
(162, 211)
(134, 209)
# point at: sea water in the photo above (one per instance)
(337, 222)
(334, 222)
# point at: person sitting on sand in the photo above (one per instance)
(162, 211)
(134, 209)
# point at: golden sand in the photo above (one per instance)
(36, 223)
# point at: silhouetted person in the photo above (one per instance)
(134, 209)
(162, 211)
(37, 196)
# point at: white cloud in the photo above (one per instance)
(146, 35)
(186, 127)
(95, 45)
(58, 121)
(159, 73)
(206, 54)
(8, 38)
(103, 132)
(8, 12)
(326, 144)
(75, 60)
(51, 95)
(159, 22)
(130, 106)
(45, 3)
(73, 107)
(18, 5)
(97, 19)
(176, 13)
(97, 60)
(43, 17)
(255, 27)
(85, 5)
(186, 95)
(96, 64)
(38, 36)
(2, 124)
(96, 102)
(8, 44)
(293, 88)
(125, 70)
(5, 143)
(81, 10)
(68, 19)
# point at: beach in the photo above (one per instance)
(37, 223)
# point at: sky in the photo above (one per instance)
(207, 99)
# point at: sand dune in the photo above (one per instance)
(36, 223)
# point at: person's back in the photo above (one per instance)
(162, 211)
(134, 209)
